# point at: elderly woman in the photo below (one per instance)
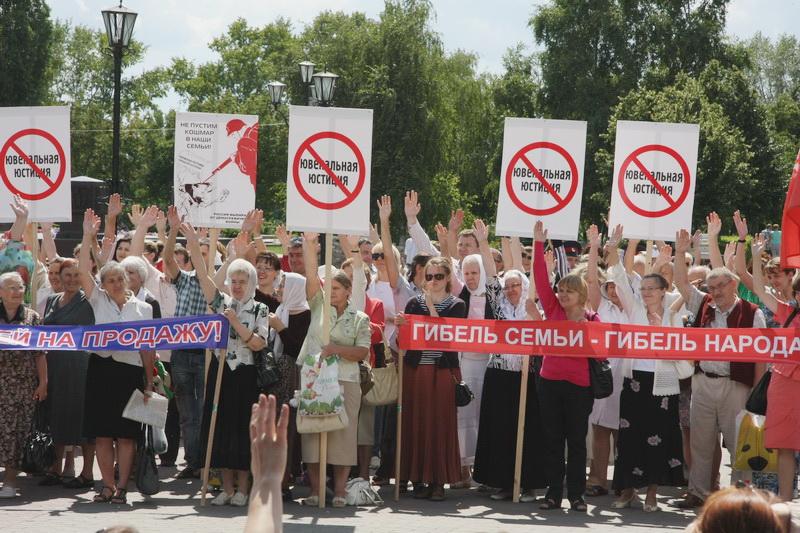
(112, 376)
(350, 342)
(650, 450)
(430, 453)
(230, 450)
(136, 268)
(497, 436)
(23, 381)
(67, 377)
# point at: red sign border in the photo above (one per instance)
(62, 172)
(667, 210)
(362, 173)
(509, 178)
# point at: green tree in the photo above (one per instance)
(25, 39)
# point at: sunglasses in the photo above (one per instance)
(377, 256)
(437, 277)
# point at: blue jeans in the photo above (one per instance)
(188, 374)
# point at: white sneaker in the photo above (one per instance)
(239, 499)
(8, 492)
(223, 498)
(501, 495)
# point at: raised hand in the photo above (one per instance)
(161, 222)
(757, 246)
(250, 221)
(441, 233)
(188, 231)
(550, 262)
(481, 231)
(115, 205)
(741, 225)
(348, 243)
(696, 238)
(173, 217)
(240, 244)
(713, 224)
(310, 237)
(456, 220)
(373, 234)
(19, 207)
(282, 235)
(149, 216)
(135, 215)
(91, 223)
(664, 257)
(412, 207)
(384, 207)
(593, 236)
(539, 233)
(616, 235)
(268, 442)
(682, 242)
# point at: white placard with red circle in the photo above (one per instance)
(655, 174)
(328, 175)
(541, 177)
(35, 162)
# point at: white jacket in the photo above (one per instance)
(667, 373)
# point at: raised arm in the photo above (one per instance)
(200, 267)
(516, 255)
(740, 261)
(418, 235)
(238, 249)
(91, 224)
(113, 212)
(385, 213)
(630, 254)
(618, 274)
(311, 262)
(682, 242)
(482, 234)
(453, 228)
(252, 226)
(759, 289)
(171, 267)
(48, 243)
(20, 208)
(592, 275)
(540, 276)
(146, 219)
(713, 227)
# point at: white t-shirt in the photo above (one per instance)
(106, 311)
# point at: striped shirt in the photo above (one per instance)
(431, 357)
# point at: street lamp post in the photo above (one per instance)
(119, 21)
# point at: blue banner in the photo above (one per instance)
(205, 331)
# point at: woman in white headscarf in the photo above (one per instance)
(288, 328)
(248, 333)
(482, 303)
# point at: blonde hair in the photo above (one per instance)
(574, 282)
(378, 249)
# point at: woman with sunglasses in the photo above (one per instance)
(650, 446)
(565, 395)
(430, 453)
(497, 436)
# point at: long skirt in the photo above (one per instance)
(238, 393)
(66, 392)
(342, 444)
(109, 385)
(650, 450)
(429, 452)
(497, 439)
(473, 369)
(18, 382)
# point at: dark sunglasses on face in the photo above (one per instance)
(377, 256)
(437, 277)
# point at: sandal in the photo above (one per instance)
(596, 490)
(104, 496)
(50, 479)
(578, 505)
(120, 497)
(79, 482)
(549, 504)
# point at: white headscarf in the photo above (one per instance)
(293, 300)
(480, 290)
(511, 311)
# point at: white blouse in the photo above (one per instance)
(254, 316)
(106, 311)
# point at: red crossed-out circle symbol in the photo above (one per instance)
(349, 196)
(522, 155)
(674, 203)
(11, 144)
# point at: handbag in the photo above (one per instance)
(385, 381)
(751, 452)
(359, 492)
(462, 392)
(147, 481)
(757, 401)
(268, 371)
(365, 377)
(39, 452)
(600, 378)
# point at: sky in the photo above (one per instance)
(183, 28)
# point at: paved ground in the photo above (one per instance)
(177, 509)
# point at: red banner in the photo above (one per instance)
(600, 339)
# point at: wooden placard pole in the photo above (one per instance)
(213, 235)
(210, 443)
(399, 434)
(648, 258)
(33, 242)
(523, 402)
(326, 337)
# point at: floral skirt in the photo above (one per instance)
(649, 450)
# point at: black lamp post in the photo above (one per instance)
(119, 21)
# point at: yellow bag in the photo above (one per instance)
(751, 454)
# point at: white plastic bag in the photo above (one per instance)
(361, 493)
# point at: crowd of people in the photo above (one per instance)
(663, 426)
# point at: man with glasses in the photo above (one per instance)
(719, 388)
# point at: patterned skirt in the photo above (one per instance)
(650, 450)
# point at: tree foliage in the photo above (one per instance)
(25, 40)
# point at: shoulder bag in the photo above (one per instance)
(146, 470)
(40, 451)
(385, 382)
(600, 378)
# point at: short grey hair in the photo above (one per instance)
(113, 267)
(242, 266)
(137, 264)
(11, 276)
(722, 272)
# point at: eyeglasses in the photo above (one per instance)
(649, 289)
(526, 256)
(718, 287)
(510, 286)
(265, 268)
(377, 256)
(437, 277)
